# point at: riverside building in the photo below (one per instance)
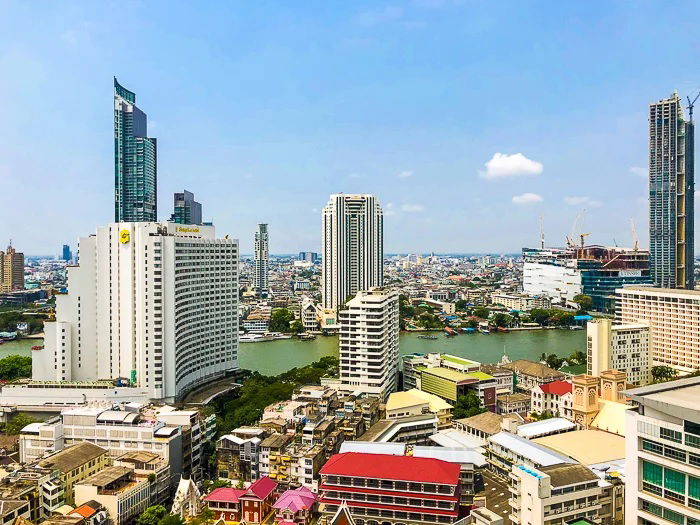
(369, 343)
(673, 316)
(151, 305)
(262, 261)
(671, 194)
(623, 347)
(353, 247)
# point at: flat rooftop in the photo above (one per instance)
(588, 447)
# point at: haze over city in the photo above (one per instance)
(467, 121)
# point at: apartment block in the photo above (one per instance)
(662, 445)
(369, 343)
(623, 347)
(673, 317)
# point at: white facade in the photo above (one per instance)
(623, 347)
(308, 315)
(673, 317)
(662, 447)
(369, 343)
(556, 281)
(353, 247)
(522, 302)
(153, 303)
(262, 261)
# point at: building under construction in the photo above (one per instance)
(596, 271)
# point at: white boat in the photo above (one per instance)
(259, 338)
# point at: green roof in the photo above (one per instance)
(574, 369)
(446, 373)
(458, 360)
(481, 376)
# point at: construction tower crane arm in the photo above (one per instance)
(635, 237)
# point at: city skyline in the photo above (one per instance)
(403, 128)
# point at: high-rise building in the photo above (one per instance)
(67, 254)
(369, 343)
(11, 270)
(671, 195)
(662, 450)
(623, 347)
(311, 257)
(262, 261)
(353, 247)
(153, 305)
(186, 210)
(135, 161)
(673, 317)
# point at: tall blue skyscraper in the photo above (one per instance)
(67, 254)
(671, 195)
(186, 210)
(135, 161)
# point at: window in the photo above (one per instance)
(671, 435)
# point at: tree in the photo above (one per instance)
(205, 517)
(502, 320)
(584, 302)
(468, 405)
(461, 305)
(280, 319)
(17, 423)
(172, 519)
(578, 358)
(662, 373)
(540, 316)
(481, 312)
(240, 484)
(565, 319)
(296, 327)
(152, 515)
(14, 366)
(553, 361)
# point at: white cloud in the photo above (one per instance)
(503, 165)
(582, 201)
(412, 208)
(527, 198)
(405, 174)
(639, 172)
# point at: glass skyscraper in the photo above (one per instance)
(135, 161)
(186, 210)
(671, 195)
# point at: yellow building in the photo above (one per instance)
(11, 270)
(76, 463)
(415, 402)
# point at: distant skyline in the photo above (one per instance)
(467, 120)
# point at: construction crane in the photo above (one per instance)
(635, 237)
(570, 242)
(691, 105)
(541, 232)
(583, 238)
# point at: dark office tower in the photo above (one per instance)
(262, 261)
(135, 161)
(186, 210)
(67, 255)
(671, 195)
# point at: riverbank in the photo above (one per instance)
(275, 357)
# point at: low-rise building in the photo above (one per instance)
(296, 506)
(450, 384)
(554, 494)
(522, 302)
(257, 501)
(151, 467)
(518, 403)
(237, 453)
(124, 495)
(225, 504)
(555, 398)
(503, 377)
(415, 430)
(74, 464)
(395, 489)
(530, 374)
(505, 450)
(415, 402)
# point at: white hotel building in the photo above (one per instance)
(369, 343)
(353, 247)
(673, 316)
(155, 304)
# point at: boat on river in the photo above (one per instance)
(431, 337)
(259, 338)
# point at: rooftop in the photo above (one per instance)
(562, 475)
(586, 446)
(446, 373)
(72, 457)
(532, 368)
(487, 422)
(535, 452)
(557, 388)
(458, 360)
(107, 476)
(399, 468)
(546, 426)
(415, 397)
(225, 494)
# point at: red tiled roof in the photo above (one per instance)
(400, 468)
(262, 488)
(84, 511)
(558, 388)
(225, 494)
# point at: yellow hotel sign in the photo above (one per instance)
(185, 229)
(124, 236)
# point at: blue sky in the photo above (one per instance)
(264, 108)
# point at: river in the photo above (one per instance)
(274, 357)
